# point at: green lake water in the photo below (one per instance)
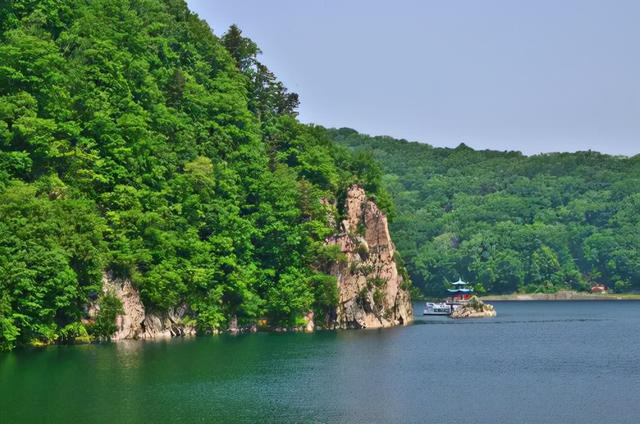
(537, 362)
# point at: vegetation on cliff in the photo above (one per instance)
(508, 221)
(134, 140)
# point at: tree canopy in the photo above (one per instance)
(133, 140)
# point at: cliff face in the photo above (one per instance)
(137, 322)
(372, 293)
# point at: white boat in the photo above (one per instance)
(437, 309)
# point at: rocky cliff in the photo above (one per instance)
(136, 322)
(372, 292)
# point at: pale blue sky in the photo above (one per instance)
(535, 76)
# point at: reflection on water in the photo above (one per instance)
(535, 363)
(129, 352)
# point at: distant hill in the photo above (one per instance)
(507, 221)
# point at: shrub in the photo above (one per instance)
(363, 251)
(376, 282)
(105, 323)
(74, 333)
(622, 286)
(378, 298)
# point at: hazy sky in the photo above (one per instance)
(535, 76)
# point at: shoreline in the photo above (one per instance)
(559, 296)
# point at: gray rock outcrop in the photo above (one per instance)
(372, 292)
(137, 322)
(474, 309)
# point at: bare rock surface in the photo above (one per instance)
(475, 309)
(137, 322)
(372, 293)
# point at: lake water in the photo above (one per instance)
(537, 362)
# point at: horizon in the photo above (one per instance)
(497, 83)
(623, 156)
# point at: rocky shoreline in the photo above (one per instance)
(474, 309)
(372, 291)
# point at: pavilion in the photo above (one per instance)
(460, 291)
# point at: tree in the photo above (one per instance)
(242, 49)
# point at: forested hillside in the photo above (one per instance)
(134, 141)
(507, 221)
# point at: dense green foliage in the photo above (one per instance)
(508, 221)
(134, 140)
(105, 323)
